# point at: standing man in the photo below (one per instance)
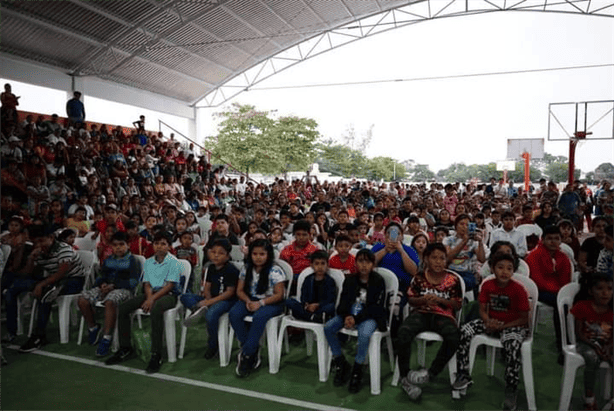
(75, 110)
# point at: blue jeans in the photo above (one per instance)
(71, 286)
(250, 339)
(365, 331)
(212, 316)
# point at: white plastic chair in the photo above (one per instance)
(99, 304)
(65, 302)
(236, 254)
(424, 337)
(523, 269)
(317, 329)
(526, 349)
(6, 252)
(375, 364)
(530, 229)
(272, 326)
(573, 360)
(171, 315)
(86, 243)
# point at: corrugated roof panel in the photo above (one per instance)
(362, 8)
(162, 22)
(299, 14)
(133, 10)
(256, 14)
(56, 49)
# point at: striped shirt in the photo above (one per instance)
(60, 253)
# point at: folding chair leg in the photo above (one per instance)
(566, 392)
(224, 341)
(64, 320)
(396, 374)
(271, 336)
(322, 347)
(421, 352)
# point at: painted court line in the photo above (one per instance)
(196, 383)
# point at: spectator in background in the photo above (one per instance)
(9, 108)
(75, 110)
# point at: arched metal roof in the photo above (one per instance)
(195, 49)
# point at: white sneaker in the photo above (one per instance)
(413, 391)
(418, 377)
(195, 316)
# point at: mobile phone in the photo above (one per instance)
(394, 234)
(472, 228)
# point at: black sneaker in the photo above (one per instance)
(34, 343)
(155, 363)
(120, 356)
(356, 379)
(210, 353)
(244, 365)
(341, 369)
(509, 403)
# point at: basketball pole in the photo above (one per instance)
(573, 143)
(527, 170)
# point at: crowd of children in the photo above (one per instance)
(142, 195)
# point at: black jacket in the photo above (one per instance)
(375, 307)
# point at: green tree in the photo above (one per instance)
(604, 170)
(379, 168)
(421, 173)
(558, 172)
(251, 140)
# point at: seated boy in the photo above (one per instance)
(55, 269)
(137, 244)
(361, 307)
(297, 253)
(509, 233)
(217, 293)
(120, 274)
(186, 250)
(161, 285)
(504, 312)
(434, 296)
(318, 293)
(604, 261)
(343, 260)
(551, 269)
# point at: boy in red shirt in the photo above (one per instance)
(343, 260)
(297, 253)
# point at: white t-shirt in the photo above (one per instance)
(276, 275)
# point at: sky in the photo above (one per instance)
(438, 122)
(433, 122)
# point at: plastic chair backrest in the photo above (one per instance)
(287, 269)
(6, 252)
(564, 298)
(186, 271)
(392, 288)
(533, 293)
(462, 284)
(523, 269)
(87, 259)
(336, 275)
(530, 229)
(236, 254)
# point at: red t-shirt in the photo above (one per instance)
(298, 259)
(504, 304)
(348, 267)
(101, 226)
(596, 326)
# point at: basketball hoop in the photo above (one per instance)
(581, 135)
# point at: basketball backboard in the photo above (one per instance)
(595, 118)
(516, 147)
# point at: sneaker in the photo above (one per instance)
(419, 377)
(94, 335)
(463, 380)
(51, 294)
(155, 363)
(210, 353)
(195, 316)
(356, 378)
(413, 391)
(509, 403)
(341, 369)
(34, 343)
(103, 347)
(120, 356)
(244, 364)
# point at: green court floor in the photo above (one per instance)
(33, 381)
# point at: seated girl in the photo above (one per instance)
(504, 312)
(260, 291)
